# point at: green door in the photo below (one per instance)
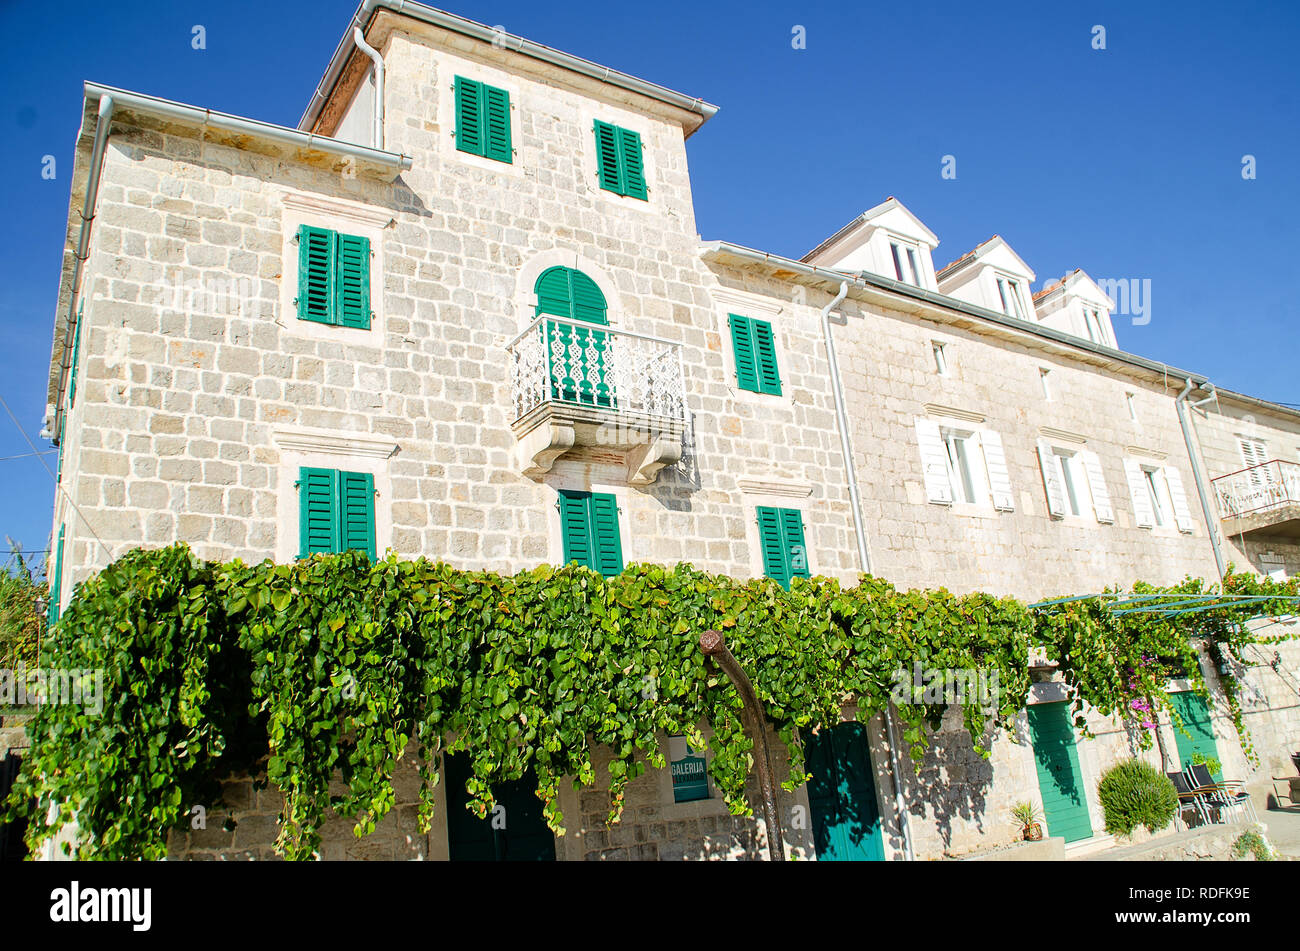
(1196, 721)
(516, 833)
(842, 794)
(1059, 778)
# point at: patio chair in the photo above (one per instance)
(1229, 794)
(1187, 796)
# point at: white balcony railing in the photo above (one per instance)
(1269, 485)
(582, 364)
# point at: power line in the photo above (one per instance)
(54, 479)
(28, 455)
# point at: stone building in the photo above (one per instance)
(463, 311)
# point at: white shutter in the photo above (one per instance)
(999, 479)
(934, 461)
(1137, 487)
(1097, 483)
(1182, 514)
(1051, 480)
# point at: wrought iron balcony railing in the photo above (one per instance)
(557, 360)
(1269, 485)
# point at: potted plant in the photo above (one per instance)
(1027, 816)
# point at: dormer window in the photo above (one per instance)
(1092, 322)
(1009, 294)
(907, 266)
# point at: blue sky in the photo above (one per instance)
(1125, 161)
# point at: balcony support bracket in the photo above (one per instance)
(541, 446)
(645, 461)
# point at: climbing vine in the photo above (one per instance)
(330, 666)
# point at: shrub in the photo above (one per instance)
(1135, 793)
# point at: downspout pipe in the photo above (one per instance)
(1180, 402)
(864, 558)
(360, 39)
(105, 119)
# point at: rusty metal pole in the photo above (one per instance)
(714, 646)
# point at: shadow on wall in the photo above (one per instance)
(953, 784)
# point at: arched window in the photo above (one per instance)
(564, 292)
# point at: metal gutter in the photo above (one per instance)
(447, 21)
(868, 281)
(359, 38)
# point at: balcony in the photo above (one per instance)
(586, 389)
(1263, 499)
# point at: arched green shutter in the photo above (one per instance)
(564, 292)
(588, 301)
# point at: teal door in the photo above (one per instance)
(1059, 778)
(842, 794)
(1196, 721)
(516, 833)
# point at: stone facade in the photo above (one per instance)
(200, 394)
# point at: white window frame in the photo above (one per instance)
(970, 486)
(1131, 399)
(905, 256)
(940, 357)
(1073, 477)
(1157, 487)
(1045, 381)
(1009, 293)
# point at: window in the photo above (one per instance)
(1131, 399)
(619, 162)
(963, 466)
(906, 263)
(333, 278)
(1159, 498)
(940, 359)
(56, 582)
(336, 511)
(483, 120)
(780, 532)
(1009, 293)
(1044, 380)
(755, 350)
(1092, 322)
(578, 358)
(589, 529)
(960, 447)
(1074, 481)
(1158, 494)
(76, 352)
(1255, 452)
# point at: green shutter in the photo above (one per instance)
(52, 611)
(316, 274)
(589, 528)
(469, 115)
(357, 512)
(564, 292)
(76, 353)
(769, 380)
(353, 282)
(496, 124)
(575, 527)
(796, 551)
(771, 538)
(58, 471)
(588, 301)
(318, 523)
(742, 341)
(607, 157)
(604, 534)
(629, 150)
